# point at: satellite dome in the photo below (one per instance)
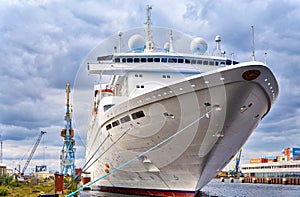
(167, 46)
(198, 45)
(136, 43)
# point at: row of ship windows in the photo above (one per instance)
(163, 76)
(126, 118)
(165, 60)
(271, 167)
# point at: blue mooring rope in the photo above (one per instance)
(215, 107)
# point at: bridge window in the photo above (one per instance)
(136, 60)
(211, 63)
(187, 61)
(205, 62)
(106, 107)
(117, 60)
(199, 61)
(163, 59)
(157, 59)
(129, 60)
(172, 60)
(143, 59)
(150, 59)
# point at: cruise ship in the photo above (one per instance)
(168, 113)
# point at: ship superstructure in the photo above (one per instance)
(209, 103)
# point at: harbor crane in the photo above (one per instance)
(236, 171)
(67, 157)
(32, 152)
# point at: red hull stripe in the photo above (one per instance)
(148, 192)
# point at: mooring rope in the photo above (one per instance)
(83, 168)
(107, 149)
(215, 107)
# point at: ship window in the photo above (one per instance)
(137, 115)
(125, 119)
(115, 123)
(117, 59)
(150, 59)
(172, 60)
(205, 62)
(180, 60)
(123, 60)
(168, 76)
(199, 61)
(143, 59)
(136, 60)
(222, 64)
(129, 60)
(164, 76)
(187, 61)
(193, 61)
(211, 63)
(157, 59)
(137, 86)
(216, 63)
(140, 75)
(142, 86)
(108, 126)
(106, 107)
(163, 59)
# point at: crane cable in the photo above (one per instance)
(215, 107)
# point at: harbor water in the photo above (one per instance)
(227, 189)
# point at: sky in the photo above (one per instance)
(45, 42)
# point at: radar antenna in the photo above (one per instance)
(149, 41)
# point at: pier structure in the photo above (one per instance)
(67, 157)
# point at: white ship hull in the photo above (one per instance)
(204, 144)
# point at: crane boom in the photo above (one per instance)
(33, 151)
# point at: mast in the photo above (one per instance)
(149, 41)
(253, 50)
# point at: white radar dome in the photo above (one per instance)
(136, 43)
(198, 45)
(167, 46)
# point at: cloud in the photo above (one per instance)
(44, 45)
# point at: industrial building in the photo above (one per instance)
(283, 166)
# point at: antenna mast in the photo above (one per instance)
(253, 50)
(149, 42)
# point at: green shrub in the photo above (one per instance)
(15, 184)
(3, 191)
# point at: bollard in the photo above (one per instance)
(269, 181)
(231, 180)
(254, 180)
